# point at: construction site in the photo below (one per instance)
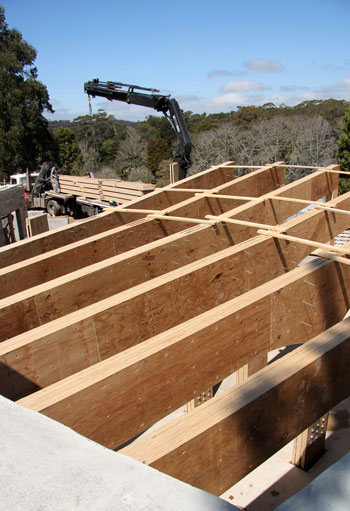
(196, 329)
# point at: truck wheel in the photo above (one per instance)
(53, 208)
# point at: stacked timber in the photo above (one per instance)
(105, 190)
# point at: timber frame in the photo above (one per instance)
(12, 201)
(111, 323)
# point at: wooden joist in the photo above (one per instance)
(109, 327)
(61, 296)
(105, 221)
(104, 329)
(125, 323)
(121, 396)
(246, 425)
(52, 265)
(47, 266)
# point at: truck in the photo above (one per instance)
(80, 196)
(24, 179)
(76, 196)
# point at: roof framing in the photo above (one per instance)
(111, 324)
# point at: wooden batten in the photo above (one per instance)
(18, 277)
(141, 231)
(56, 298)
(103, 222)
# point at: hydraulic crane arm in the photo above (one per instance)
(149, 98)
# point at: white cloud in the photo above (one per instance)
(218, 73)
(265, 66)
(291, 88)
(307, 95)
(229, 100)
(339, 90)
(188, 98)
(343, 84)
(276, 99)
(124, 110)
(334, 67)
(60, 113)
(220, 103)
(243, 86)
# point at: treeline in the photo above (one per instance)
(306, 134)
(310, 133)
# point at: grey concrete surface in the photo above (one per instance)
(47, 466)
(328, 492)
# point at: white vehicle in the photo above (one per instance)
(21, 179)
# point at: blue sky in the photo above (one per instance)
(211, 55)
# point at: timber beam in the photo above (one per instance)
(41, 304)
(246, 425)
(106, 221)
(47, 266)
(43, 268)
(120, 397)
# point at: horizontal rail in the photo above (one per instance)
(228, 220)
(304, 241)
(233, 197)
(181, 219)
(317, 204)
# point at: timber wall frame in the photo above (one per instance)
(110, 324)
(12, 200)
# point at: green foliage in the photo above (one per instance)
(344, 143)
(156, 152)
(344, 185)
(109, 150)
(303, 134)
(69, 154)
(25, 140)
(156, 127)
(98, 137)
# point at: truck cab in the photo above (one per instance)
(21, 179)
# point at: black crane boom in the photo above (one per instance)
(150, 98)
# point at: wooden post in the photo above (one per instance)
(252, 367)
(174, 172)
(309, 445)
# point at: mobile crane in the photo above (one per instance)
(150, 98)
